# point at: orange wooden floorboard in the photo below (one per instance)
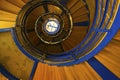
(2, 77)
(82, 71)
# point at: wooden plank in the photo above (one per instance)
(77, 6)
(5, 24)
(6, 16)
(25, 1)
(45, 72)
(2, 77)
(110, 57)
(60, 74)
(117, 36)
(18, 3)
(81, 18)
(77, 35)
(54, 9)
(7, 6)
(80, 12)
(71, 3)
(82, 71)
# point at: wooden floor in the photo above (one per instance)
(8, 12)
(2, 77)
(81, 71)
(110, 55)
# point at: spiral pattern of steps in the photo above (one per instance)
(86, 47)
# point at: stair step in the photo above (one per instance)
(8, 7)
(71, 3)
(54, 9)
(81, 18)
(2, 77)
(80, 12)
(6, 16)
(78, 6)
(110, 57)
(81, 71)
(25, 1)
(6, 24)
(117, 36)
(77, 35)
(18, 3)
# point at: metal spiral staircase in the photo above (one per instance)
(59, 40)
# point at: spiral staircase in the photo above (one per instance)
(59, 40)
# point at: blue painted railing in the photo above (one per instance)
(85, 46)
(99, 31)
(95, 34)
(7, 74)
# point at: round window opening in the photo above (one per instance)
(51, 26)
